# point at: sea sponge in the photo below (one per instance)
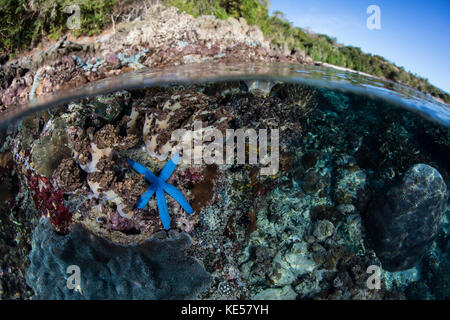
(156, 269)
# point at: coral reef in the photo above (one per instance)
(165, 112)
(297, 234)
(17, 220)
(67, 176)
(155, 269)
(95, 153)
(280, 110)
(405, 220)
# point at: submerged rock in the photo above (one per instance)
(155, 269)
(285, 293)
(404, 222)
(68, 176)
(50, 149)
(110, 106)
(323, 229)
(260, 87)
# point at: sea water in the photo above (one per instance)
(305, 182)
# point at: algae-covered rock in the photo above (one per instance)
(110, 106)
(405, 220)
(350, 180)
(304, 96)
(51, 148)
(68, 176)
(323, 229)
(30, 127)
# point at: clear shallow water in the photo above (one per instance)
(394, 93)
(311, 230)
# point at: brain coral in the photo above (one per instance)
(156, 269)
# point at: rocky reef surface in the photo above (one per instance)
(301, 233)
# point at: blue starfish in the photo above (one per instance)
(159, 185)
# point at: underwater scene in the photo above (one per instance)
(226, 182)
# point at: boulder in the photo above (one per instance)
(403, 222)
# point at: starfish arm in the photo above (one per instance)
(139, 168)
(178, 196)
(162, 208)
(169, 167)
(145, 198)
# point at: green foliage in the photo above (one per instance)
(25, 22)
(197, 8)
(96, 15)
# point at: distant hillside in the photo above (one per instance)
(24, 23)
(317, 46)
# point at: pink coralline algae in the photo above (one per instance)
(50, 202)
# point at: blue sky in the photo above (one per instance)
(414, 34)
